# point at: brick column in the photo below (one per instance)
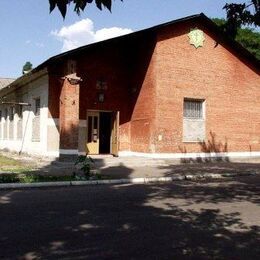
(69, 118)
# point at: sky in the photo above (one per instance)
(30, 33)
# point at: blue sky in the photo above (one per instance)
(30, 33)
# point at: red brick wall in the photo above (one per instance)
(55, 85)
(127, 70)
(229, 86)
(106, 66)
(69, 116)
(143, 116)
(147, 82)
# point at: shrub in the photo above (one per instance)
(84, 163)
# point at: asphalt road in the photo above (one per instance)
(181, 220)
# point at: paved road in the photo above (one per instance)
(181, 220)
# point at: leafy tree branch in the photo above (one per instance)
(247, 13)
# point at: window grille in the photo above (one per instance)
(193, 109)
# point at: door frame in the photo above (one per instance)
(113, 124)
(91, 144)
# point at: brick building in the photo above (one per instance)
(180, 89)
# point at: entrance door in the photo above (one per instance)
(102, 132)
(105, 132)
(114, 134)
(92, 146)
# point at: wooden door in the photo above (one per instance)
(92, 145)
(115, 133)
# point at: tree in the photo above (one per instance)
(237, 14)
(247, 37)
(79, 5)
(27, 67)
(241, 14)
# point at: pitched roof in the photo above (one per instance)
(4, 82)
(223, 38)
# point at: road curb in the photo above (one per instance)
(176, 177)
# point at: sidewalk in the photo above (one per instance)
(143, 167)
(136, 167)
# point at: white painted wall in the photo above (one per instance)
(27, 94)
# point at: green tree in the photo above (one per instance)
(247, 13)
(27, 67)
(247, 37)
(79, 5)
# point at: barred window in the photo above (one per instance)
(193, 109)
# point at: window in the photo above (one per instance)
(11, 114)
(193, 120)
(193, 109)
(6, 114)
(19, 111)
(37, 106)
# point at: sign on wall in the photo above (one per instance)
(197, 37)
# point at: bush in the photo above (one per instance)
(9, 178)
(84, 163)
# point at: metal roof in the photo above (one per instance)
(223, 38)
(4, 82)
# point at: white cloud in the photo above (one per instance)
(35, 44)
(82, 33)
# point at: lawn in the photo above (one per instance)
(18, 171)
(16, 166)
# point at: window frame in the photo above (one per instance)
(201, 119)
(202, 107)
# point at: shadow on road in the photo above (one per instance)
(207, 220)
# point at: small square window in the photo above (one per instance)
(193, 109)
(37, 106)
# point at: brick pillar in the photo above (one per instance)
(69, 118)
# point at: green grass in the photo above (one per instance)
(16, 171)
(31, 178)
(12, 165)
(5, 161)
